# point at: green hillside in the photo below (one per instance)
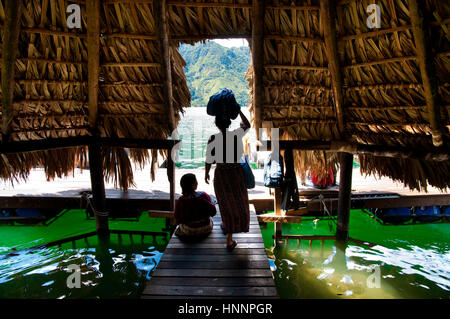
(211, 67)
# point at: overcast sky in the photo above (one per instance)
(232, 42)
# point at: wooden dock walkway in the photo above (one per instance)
(208, 270)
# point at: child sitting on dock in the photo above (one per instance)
(193, 210)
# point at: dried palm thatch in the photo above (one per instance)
(50, 94)
(322, 79)
(383, 96)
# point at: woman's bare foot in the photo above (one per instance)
(232, 245)
(230, 242)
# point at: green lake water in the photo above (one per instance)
(413, 261)
(119, 271)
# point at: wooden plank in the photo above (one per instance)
(436, 154)
(253, 223)
(216, 240)
(252, 234)
(207, 245)
(212, 291)
(253, 229)
(212, 282)
(235, 264)
(161, 213)
(212, 251)
(76, 202)
(213, 273)
(274, 218)
(386, 201)
(262, 204)
(68, 142)
(206, 258)
(207, 268)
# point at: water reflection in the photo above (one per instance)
(339, 270)
(105, 272)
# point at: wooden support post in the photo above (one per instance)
(258, 62)
(277, 230)
(161, 18)
(11, 30)
(328, 19)
(290, 198)
(171, 177)
(425, 57)
(345, 192)
(277, 200)
(93, 46)
(95, 156)
(98, 189)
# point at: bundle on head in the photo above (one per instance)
(223, 106)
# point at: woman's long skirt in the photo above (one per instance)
(232, 197)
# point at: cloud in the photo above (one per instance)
(232, 42)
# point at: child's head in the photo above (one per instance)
(188, 183)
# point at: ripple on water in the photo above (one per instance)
(43, 273)
(405, 272)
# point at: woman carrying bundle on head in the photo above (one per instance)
(225, 149)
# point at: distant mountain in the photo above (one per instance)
(211, 67)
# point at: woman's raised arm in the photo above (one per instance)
(244, 121)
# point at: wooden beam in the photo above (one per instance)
(98, 188)
(138, 143)
(273, 218)
(438, 154)
(277, 201)
(11, 30)
(392, 200)
(258, 62)
(55, 143)
(171, 177)
(328, 19)
(297, 67)
(75, 202)
(345, 192)
(93, 46)
(161, 18)
(441, 154)
(425, 57)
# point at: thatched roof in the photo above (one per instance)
(322, 79)
(51, 89)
